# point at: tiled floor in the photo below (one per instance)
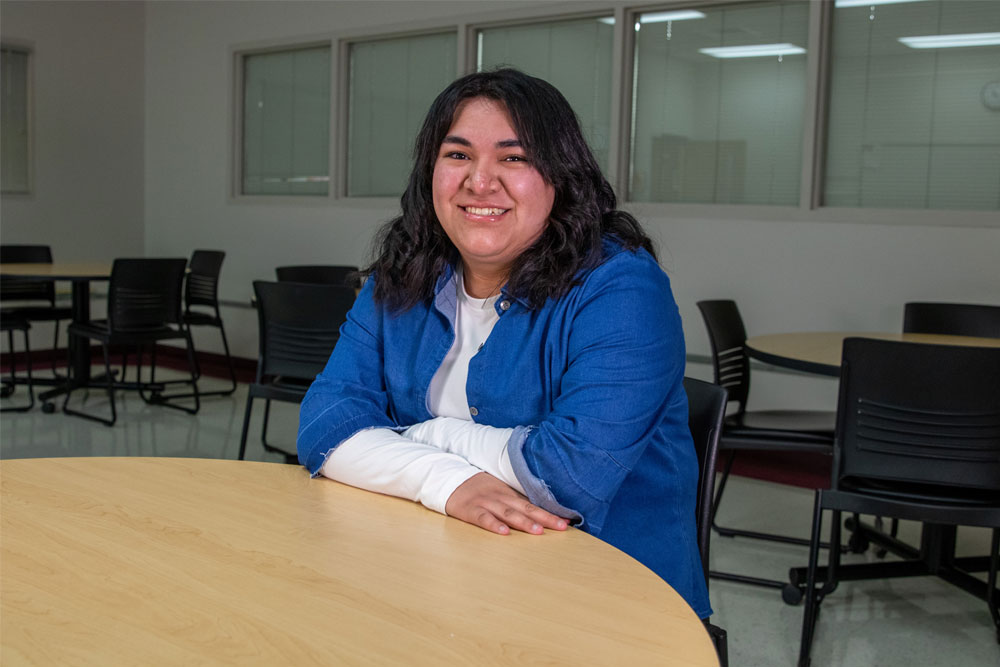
(905, 622)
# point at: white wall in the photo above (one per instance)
(88, 119)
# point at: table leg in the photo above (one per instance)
(79, 348)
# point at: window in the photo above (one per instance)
(914, 113)
(719, 101)
(574, 56)
(14, 121)
(391, 87)
(286, 122)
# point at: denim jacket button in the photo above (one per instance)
(473, 411)
(505, 305)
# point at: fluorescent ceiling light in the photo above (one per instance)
(753, 50)
(680, 15)
(840, 4)
(951, 41)
(660, 17)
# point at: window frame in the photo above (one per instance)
(343, 83)
(237, 70)
(809, 209)
(27, 48)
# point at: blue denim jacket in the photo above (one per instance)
(593, 379)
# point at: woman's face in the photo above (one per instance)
(491, 201)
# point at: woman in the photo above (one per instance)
(516, 358)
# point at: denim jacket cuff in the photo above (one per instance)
(537, 491)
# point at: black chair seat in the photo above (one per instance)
(39, 313)
(279, 392)
(804, 424)
(202, 319)
(98, 330)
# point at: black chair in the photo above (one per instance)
(144, 308)
(201, 305)
(34, 300)
(325, 274)
(10, 324)
(918, 438)
(759, 430)
(706, 410)
(957, 319)
(299, 324)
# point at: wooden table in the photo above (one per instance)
(80, 274)
(819, 351)
(181, 561)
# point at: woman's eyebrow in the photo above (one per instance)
(462, 141)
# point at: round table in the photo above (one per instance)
(819, 351)
(182, 561)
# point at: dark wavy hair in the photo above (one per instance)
(412, 250)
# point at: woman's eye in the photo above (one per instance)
(455, 155)
(515, 158)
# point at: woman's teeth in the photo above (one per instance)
(485, 211)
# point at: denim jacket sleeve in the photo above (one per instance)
(617, 395)
(349, 395)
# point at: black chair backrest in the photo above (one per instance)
(957, 319)
(145, 293)
(202, 285)
(14, 289)
(727, 335)
(299, 326)
(914, 417)
(325, 274)
(706, 410)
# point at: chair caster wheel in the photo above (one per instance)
(48, 408)
(858, 544)
(791, 594)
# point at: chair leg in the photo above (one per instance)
(111, 394)
(263, 431)
(55, 346)
(991, 581)
(13, 373)
(246, 427)
(813, 596)
(167, 401)
(229, 362)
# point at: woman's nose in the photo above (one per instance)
(482, 179)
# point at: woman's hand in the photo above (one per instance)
(485, 501)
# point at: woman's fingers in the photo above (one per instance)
(485, 501)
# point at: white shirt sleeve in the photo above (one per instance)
(483, 446)
(382, 460)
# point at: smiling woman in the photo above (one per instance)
(485, 371)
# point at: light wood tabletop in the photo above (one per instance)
(195, 561)
(59, 270)
(819, 351)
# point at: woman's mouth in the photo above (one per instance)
(477, 210)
